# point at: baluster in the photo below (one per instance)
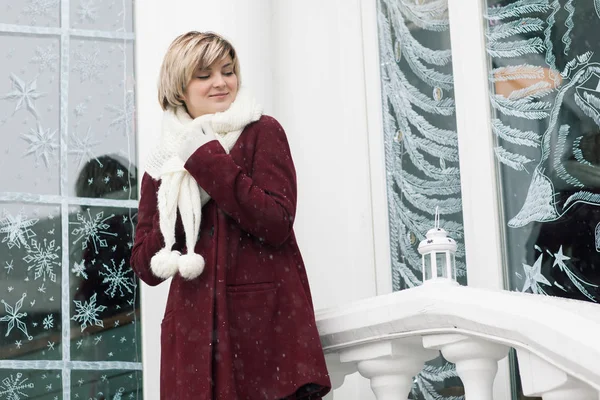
(476, 361)
(390, 365)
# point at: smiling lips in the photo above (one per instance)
(219, 95)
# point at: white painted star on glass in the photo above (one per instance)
(560, 258)
(533, 277)
(24, 94)
(13, 317)
(42, 144)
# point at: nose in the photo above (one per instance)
(219, 81)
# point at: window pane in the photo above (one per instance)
(31, 384)
(421, 150)
(69, 303)
(544, 79)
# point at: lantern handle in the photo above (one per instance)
(437, 217)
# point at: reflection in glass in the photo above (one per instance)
(545, 97)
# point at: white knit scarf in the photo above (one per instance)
(179, 190)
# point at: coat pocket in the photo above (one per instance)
(252, 311)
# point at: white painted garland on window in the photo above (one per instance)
(526, 28)
(412, 139)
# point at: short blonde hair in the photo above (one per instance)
(188, 52)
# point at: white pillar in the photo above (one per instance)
(476, 361)
(541, 379)
(390, 365)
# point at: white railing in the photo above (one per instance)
(389, 338)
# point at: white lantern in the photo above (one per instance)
(438, 252)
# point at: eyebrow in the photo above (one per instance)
(210, 69)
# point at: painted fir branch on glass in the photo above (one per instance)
(421, 158)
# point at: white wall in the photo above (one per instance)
(304, 61)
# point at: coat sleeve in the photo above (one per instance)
(264, 205)
(148, 238)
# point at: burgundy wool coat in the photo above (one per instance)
(245, 328)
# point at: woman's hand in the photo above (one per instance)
(198, 135)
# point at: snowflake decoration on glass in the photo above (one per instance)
(89, 66)
(87, 313)
(90, 229)
(43, 259)
(123, 115)
(88, 12)
(46, 58)
(81, 146)
(80, 109)
(119, 394)
(14, 317)
(23, 93)
(9, 266)
(48, 322)
(17, 229)
(79, 270)
(14, 387)
(42, 143)
(117, 278)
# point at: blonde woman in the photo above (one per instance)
(216, 214)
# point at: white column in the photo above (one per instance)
(390, 365)
(541, 379)
(476, 361)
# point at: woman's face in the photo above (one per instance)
(211, 90)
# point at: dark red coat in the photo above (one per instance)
(245, 329)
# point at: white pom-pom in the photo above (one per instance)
(164, 263)
(191, 265)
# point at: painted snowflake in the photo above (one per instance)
(89, 66)
(89, 230)
(17, 229)
(41, 8)
(48, 322)
(81, 147)
(46, 58)
(43, 258)
(14, 387)
(23, 93)
(42, 143)
(117, 278)
(87, 313)
(119, 394)
(124, 115)
(13, 316)
(88, 11)
(79, 270)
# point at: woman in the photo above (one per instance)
(221, 188)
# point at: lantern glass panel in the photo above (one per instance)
(427, 266)
(453, 269)
(440, 261)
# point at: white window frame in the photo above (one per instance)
(482, 218)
